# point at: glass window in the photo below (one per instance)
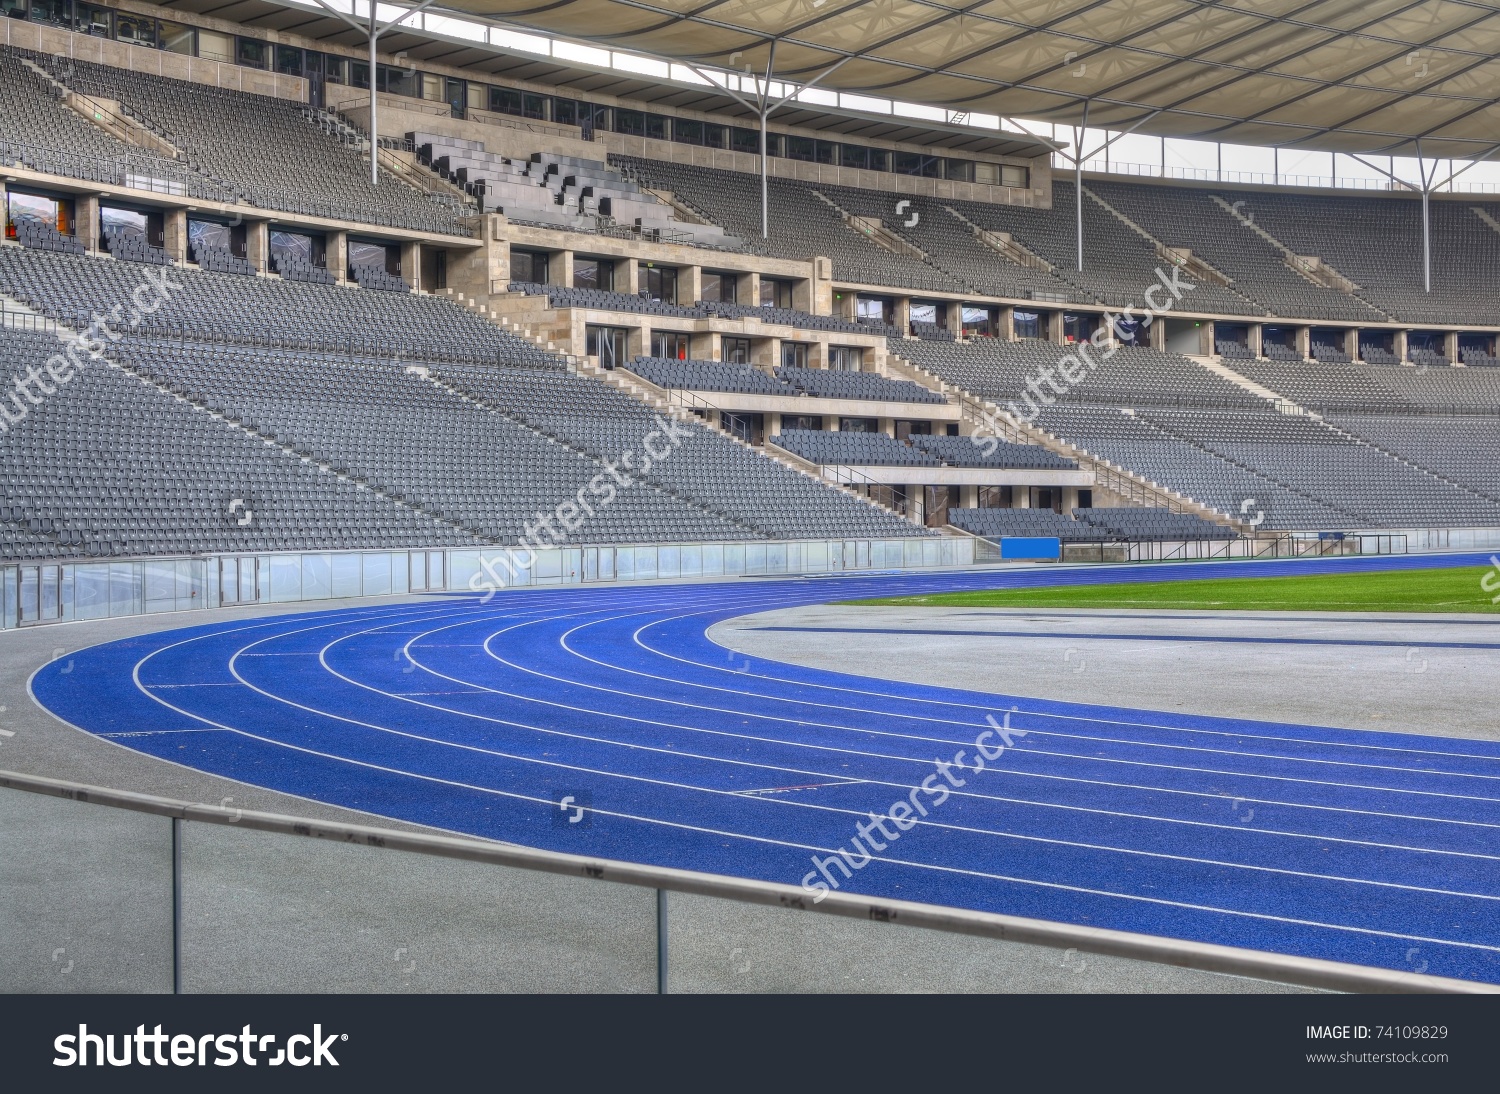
(687, 131)
(289, 60)
(774, 293)
(91, 19)
(1028, 324)
(529, 266)
(368, 254)
(56, 12)
(136, 29)
(801, 148)
(399, 81)
(859, 425)
(505, 100)
(721, 287)
(656, 127)
(593, 273)
(924, 313)
(292, 245)
(715, 136)
(736, 351)
(794, 355)
(13, 9)
(179, 38)
(826, 152)
(33, 208)
(565, 112)
(880, 159)
(432, 87)
(669, 344)
(977, 321)
(335, 69)
(1014, 176)
(875, 309)
(207, 233)
(632, 122)
(845, 358)
(745, 140)
(958, 170)
(854, 155)
(359, 74)
(915, 163)
(608, 344)
(250, 52)
(660, 283)
(125, 221)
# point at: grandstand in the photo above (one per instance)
(292, 314)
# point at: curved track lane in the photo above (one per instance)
(1378, 848)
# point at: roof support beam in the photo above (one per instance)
(373, 33)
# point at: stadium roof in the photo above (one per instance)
(1341, 75)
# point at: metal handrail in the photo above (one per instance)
(1180, 953)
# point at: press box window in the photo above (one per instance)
(669, 344)
(659, 283)
(735, 351)
(250, 52)
(529, 266)
(774, 293)
(794, 355)
(608, 344)
(845, 358)
(721, 288)
(593, 273)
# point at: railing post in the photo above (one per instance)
(176, 905)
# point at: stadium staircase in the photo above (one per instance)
(1193, 266)
(1310, 268)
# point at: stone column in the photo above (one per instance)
(336, 254)
(175, 234)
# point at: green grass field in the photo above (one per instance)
(1455, 590)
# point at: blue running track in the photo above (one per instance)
(1376, 848)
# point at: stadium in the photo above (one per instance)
(617, 497)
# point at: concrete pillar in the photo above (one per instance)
(968, 497)
(1156, 334)
(86, 220)
(1020, 497)
(748, 289)
(901, 315)
(1302, 337)
(1206, 340)
(820, 289)
(1351, 343)
(1450, 345)
(411, 263)
(258, 244)
(689, 284)
(1253, 335)
(336, 254)
(1005, 323)
(175, 233)
(1398, 345)
(560, 269)
(832, 421)
(627, 276)
(955, 318)
(888, 426)
(1055, 331)
(916, 505)
(773, 423)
